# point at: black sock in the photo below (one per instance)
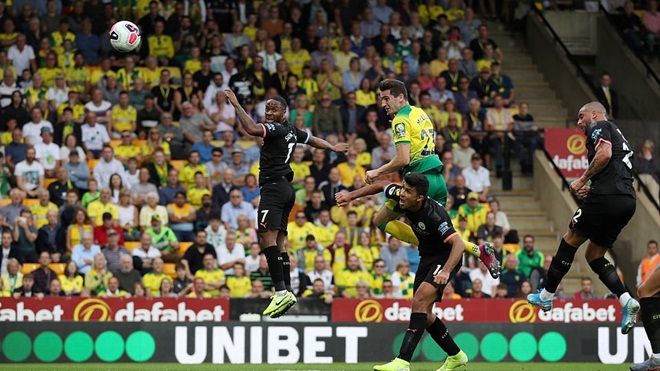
(607, 274)
(413, 335)
(560, 265)
(650, 314)
(274, 260)
(440, 334)
(286, 270)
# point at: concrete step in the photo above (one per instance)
(519, 182)
(530, 223)
(538, 233)
(550, 123)
(517, 203)
(521, 67)
(525, 213)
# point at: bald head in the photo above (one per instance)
(595, 107)
(590, 113)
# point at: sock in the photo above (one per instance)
(472, 248)
(623, 299)
(560, 265)
(607, 274)
(413, 335)
(274, 260)
(286, 270)
(440, 334)
(545, 295)
(400, 230)
(650, 315)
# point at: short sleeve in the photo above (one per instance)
(393, 192)
(446, 230)
(273, 130)
(600, 133)
(302, 136)
(401, 130)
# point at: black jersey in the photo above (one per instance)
(279, 142)
(617, 176)
(431, 224)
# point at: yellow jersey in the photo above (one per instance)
(205, 295)
(57, 41)
(40, 212)
(187, 175)
(161, 46)
(311, 88)
(300, 170)
(216, 275)
(152, 281)
(33, 95)
(183, 211)
(127, 78)
(377, 283)
(366, 254)
(310, 256)
(192, 66)
(74, 284)
(151, 77)
(99, 74)
(78, 110)
(297, 61)
(78, 76)
(326, 236)
(127, 151)
(49, 75)
(365, 99)
(297, 234)
(348, 173)
(347, 280)
(412, 126)
(123, 119)
(239, 286)
(195, 196)
(96, 210)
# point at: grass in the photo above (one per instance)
(333, 367)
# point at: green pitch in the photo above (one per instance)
(333, 367)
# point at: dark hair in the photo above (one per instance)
(396, 87)
(181, 193)
(417, 181)
(281, 101)
(351, 212)
(217, 150)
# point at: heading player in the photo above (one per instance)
(441, 250)
(609, 204)
(277, 195)
(414, 138)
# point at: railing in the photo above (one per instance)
(649, 70)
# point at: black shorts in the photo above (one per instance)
(277, 199)
(429, 266)
(601, 218)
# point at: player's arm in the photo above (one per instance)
(401, 159)
(600, 160)
(343, 198)
(457, 248)
(319, 143)
(246, 121)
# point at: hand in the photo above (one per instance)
(340, 147)
(231, 97)
(576, 185)
(342, 198)
(582, 193)
(371, 176)
(441, 278)
(87, 261)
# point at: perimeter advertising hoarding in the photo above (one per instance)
(285, 343)
(479, 310)
(568, 151)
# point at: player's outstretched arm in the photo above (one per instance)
(601, 159)
(401, 159)
(319, 143)
(246, 121)
(455, 256)
(343, 198)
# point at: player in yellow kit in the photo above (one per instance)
(414, 138)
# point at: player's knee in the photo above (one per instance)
(420, 304)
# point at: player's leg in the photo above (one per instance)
(386, 220)
(649, 300)
(281, 238)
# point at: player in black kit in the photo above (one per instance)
(609, 204)
(441, 249)
(277, 195)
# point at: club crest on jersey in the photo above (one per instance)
(421, 226)
(400, 130)
(596, 134)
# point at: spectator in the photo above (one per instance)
(193, 257)
(29, 174)
(47, 153)
(92, 194)
(106, 166)
(166, 289)
(473, 212)
(538, 276)
(28, 289)
(126, 274)
(163, 239)
(326, 229)
(528, 256)
(486, 231)
(326, 119)
(648, 169)
(58, 188)
(215, 167)
(71, 281)
(392, 254)
(403, 280)
(102, 232)
(258, 290)
(188, 171)
(182, 217)
(499, 120)
(236, 206)
(168, 191)
(524, 289)
(79, 225)
(94, 136)
(213, 276)
(319, 267)
(253, 258)
(96, 278)
(512, 276)
(113, 290)
(487, 284)
(384, 152)
(220, 192)
(153, 280)
(477, 44)
(114, 250)
(502, 221)
(77, 171)
(152, 208)
(16, 151)
(83, 254)
(7, 251)
(587, 291)
(40, 209)
(239, 284)
(350, 169)
(631, 25)
(501, 84)
(51, 238)
(319, 292)
(646, 267)
(333, 185)
(651, 22)
(216, 232)
(477, 178)
(229, 253)
(525, 135)
(25, 234)
(145, 253)
(43, 275)
(55, 288)
(347, 280)
(182, 284)
(244, 233)
(96, 209)
(239, 166)
(463, 153)
(477, 292)
(13, 210)
(13, 279)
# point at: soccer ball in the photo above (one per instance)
(125, 36)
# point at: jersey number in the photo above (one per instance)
(263, 217)
(577, 215)
(437, 270)
(626, 158)
(429, 136)
(288, 155)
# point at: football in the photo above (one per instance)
(125, 36)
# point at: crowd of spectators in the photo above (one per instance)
(131, 170)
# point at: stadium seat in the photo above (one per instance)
(139, 142)
(511, 247)
(218, 143)
(29, 202)
(91, 163)
(5, 202)
(130, 245)
(48, 181)
(58, 268)
(29, 267)
(183, 246)
(178, 164)
(115, 142)
(170, 269)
